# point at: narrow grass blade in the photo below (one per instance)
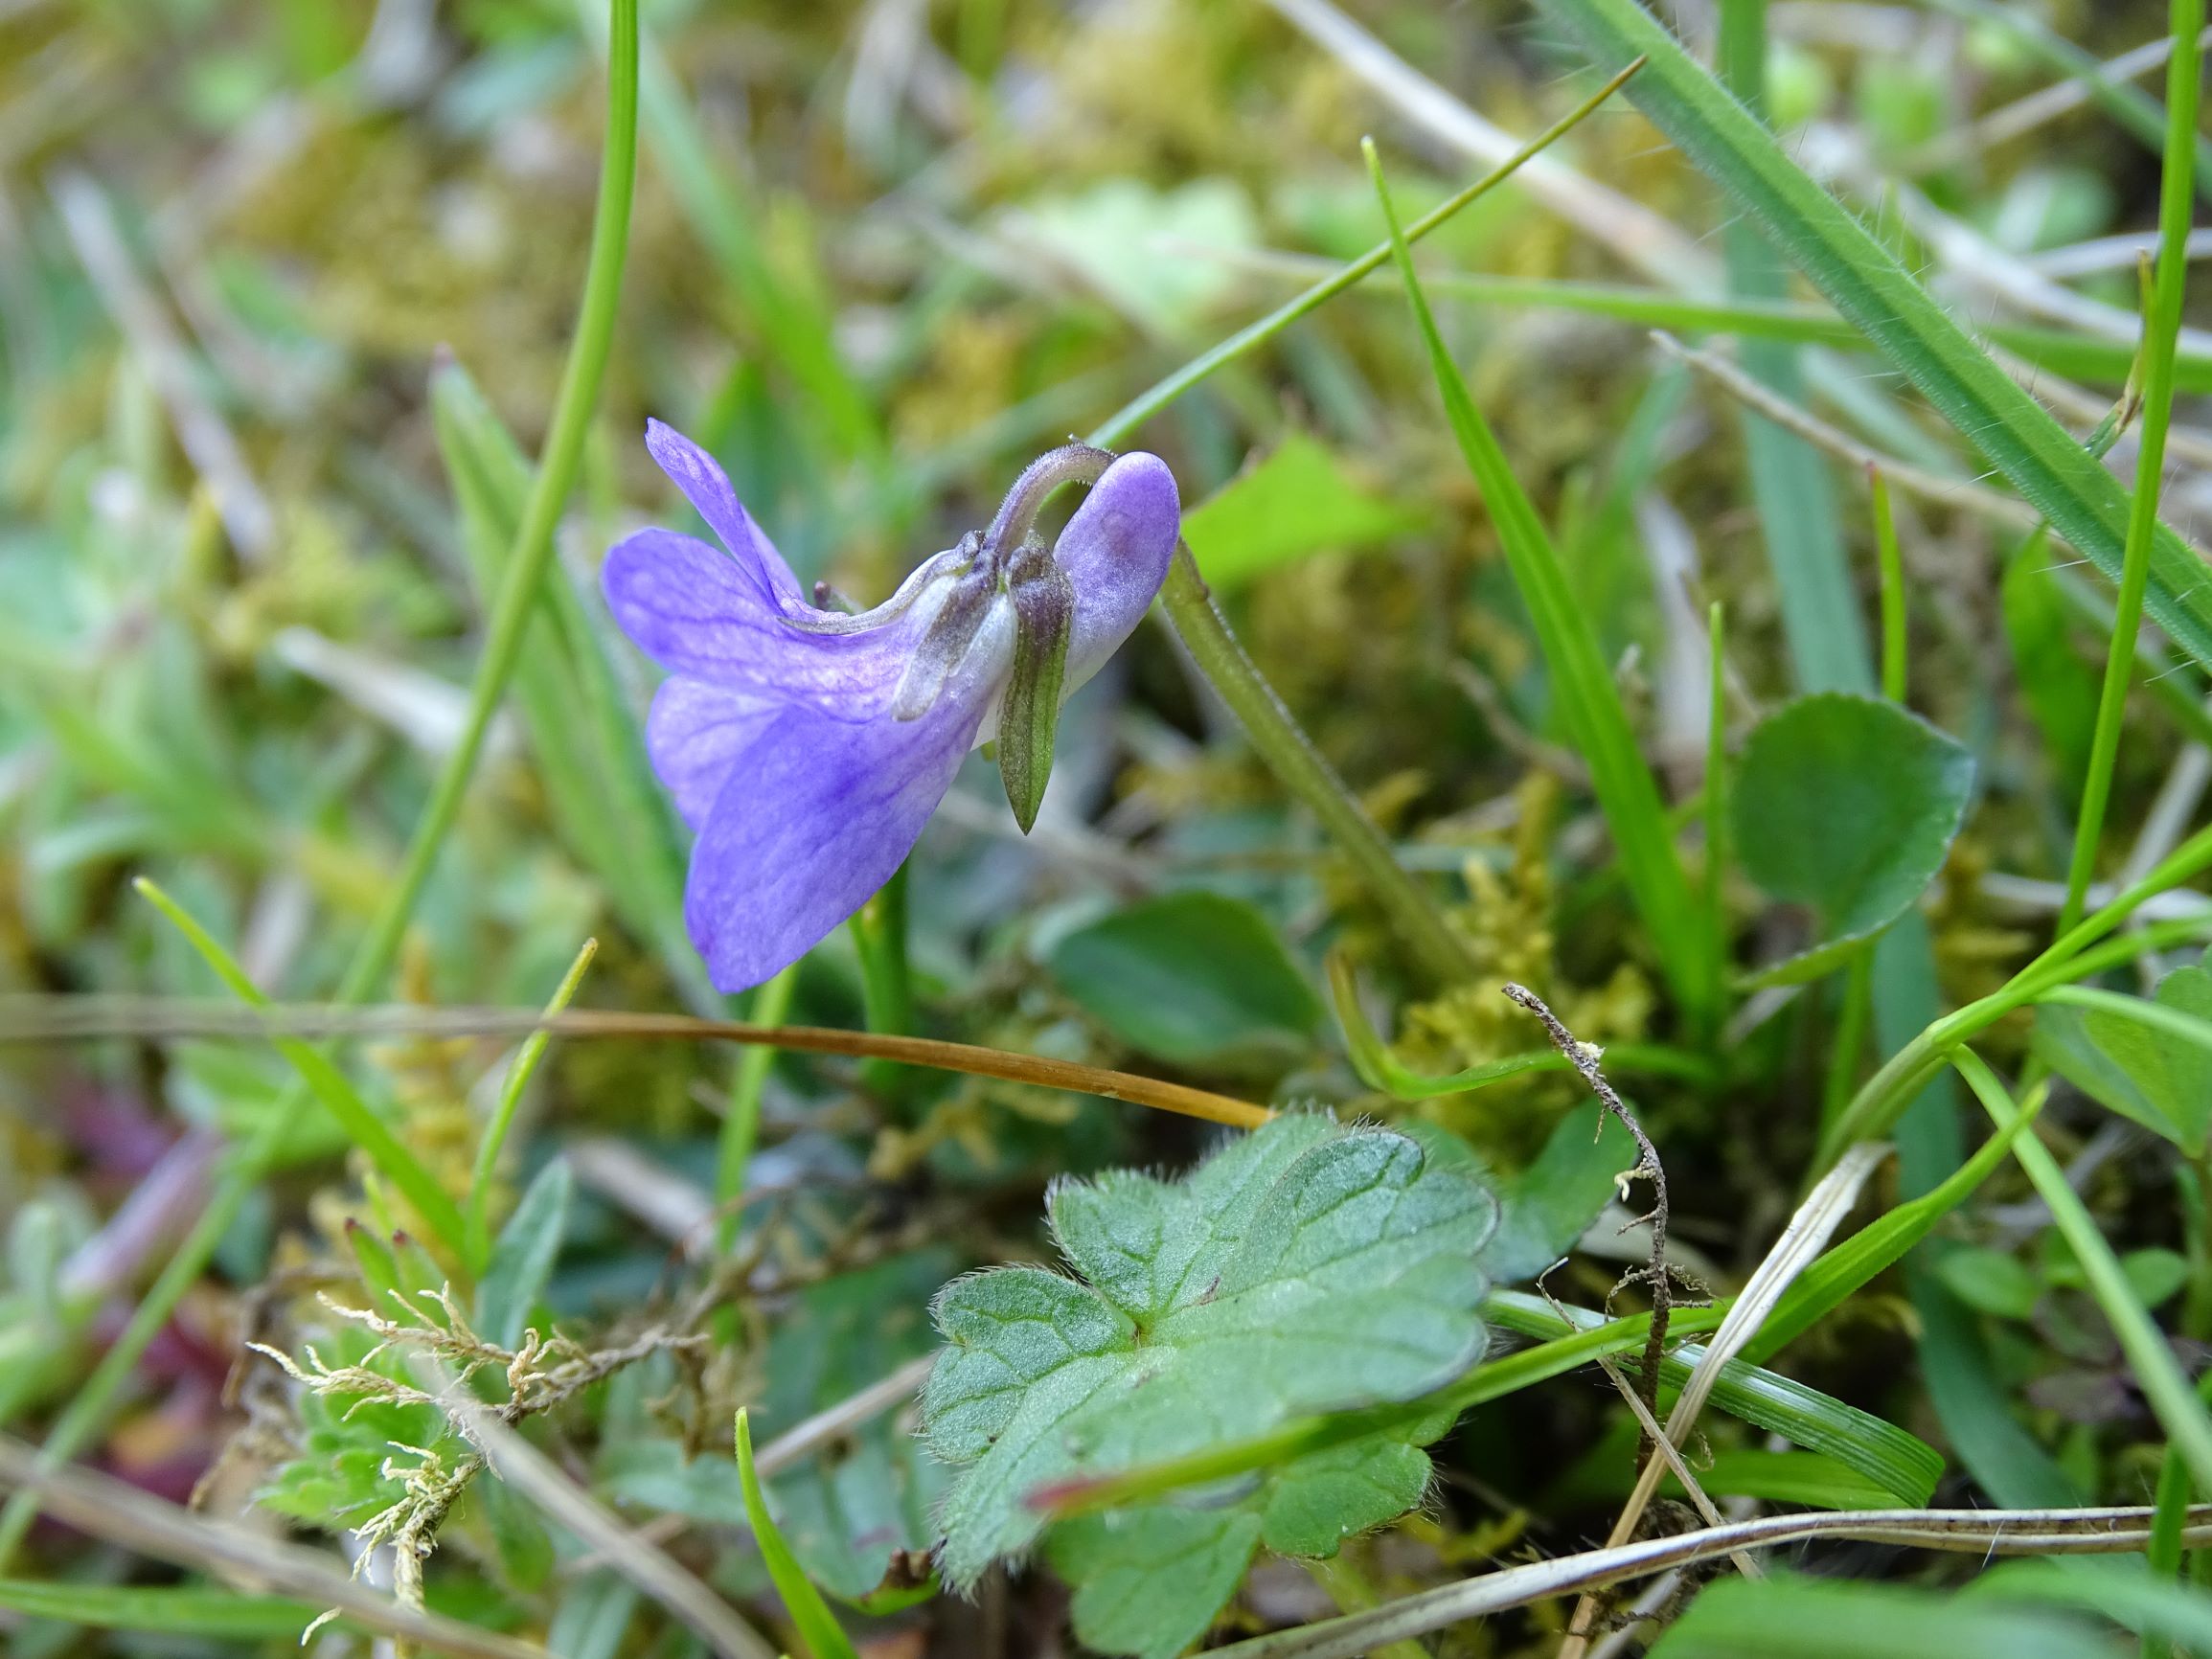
(2187, 1423)
(1626, 789)
(1792, 486)
(219, 1615)
(1869, 287)
(818, 1629)
(330, 1085)
(2163, 322)
(742, 1121)
(1892, 559)
(494, 1137)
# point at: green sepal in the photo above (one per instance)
(1029, 716)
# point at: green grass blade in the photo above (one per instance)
(1792, 486)
(2163, 322)
(330, 1085)
(372, 958)
(1897, 1461)
(771, 1005)
(1892, 559)
(2188, 1425)
(2164, 1556)
(217, 1615)
(586, 743)
(1845, 1267)
(817, 1627)
(1875, 293)
(494, 1137)
(1626, 792)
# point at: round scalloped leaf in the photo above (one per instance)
(1847, 804)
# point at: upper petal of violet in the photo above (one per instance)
(1115, 551)
(707, 487)
(697, 612)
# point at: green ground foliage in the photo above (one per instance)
(1737, 581)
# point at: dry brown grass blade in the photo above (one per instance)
(1974, 1531)
(73, 1019)
(105, 1507)
(537, 1478)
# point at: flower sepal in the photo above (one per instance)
(1029, 713)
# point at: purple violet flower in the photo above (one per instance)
(808, 747)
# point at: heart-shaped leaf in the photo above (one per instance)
(1847, 804)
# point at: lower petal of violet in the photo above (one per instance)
(694, 734)
(815, 815)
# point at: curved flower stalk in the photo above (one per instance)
(808, 747)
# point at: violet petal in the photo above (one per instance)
(1115, 551)
(695, 733)
(817, 814)
(707, 486)
(695, 612)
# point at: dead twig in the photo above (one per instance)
(1656, 1274)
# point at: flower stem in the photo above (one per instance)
(742, 1125)
(1290, 753)
(511, 615)
(886, 986)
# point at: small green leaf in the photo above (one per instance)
(1303, 1268)
(338, 1479)
(1552, 1202)
(522, 1256)
(1149, 1582)
(1848, 805)
(1189, 977)
(1299, 501)
(818, 1628)
(2159, 1077)
(2154, 1274)
(1989, 1281)
(1148, 1579)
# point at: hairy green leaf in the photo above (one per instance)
(1305, 1267)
